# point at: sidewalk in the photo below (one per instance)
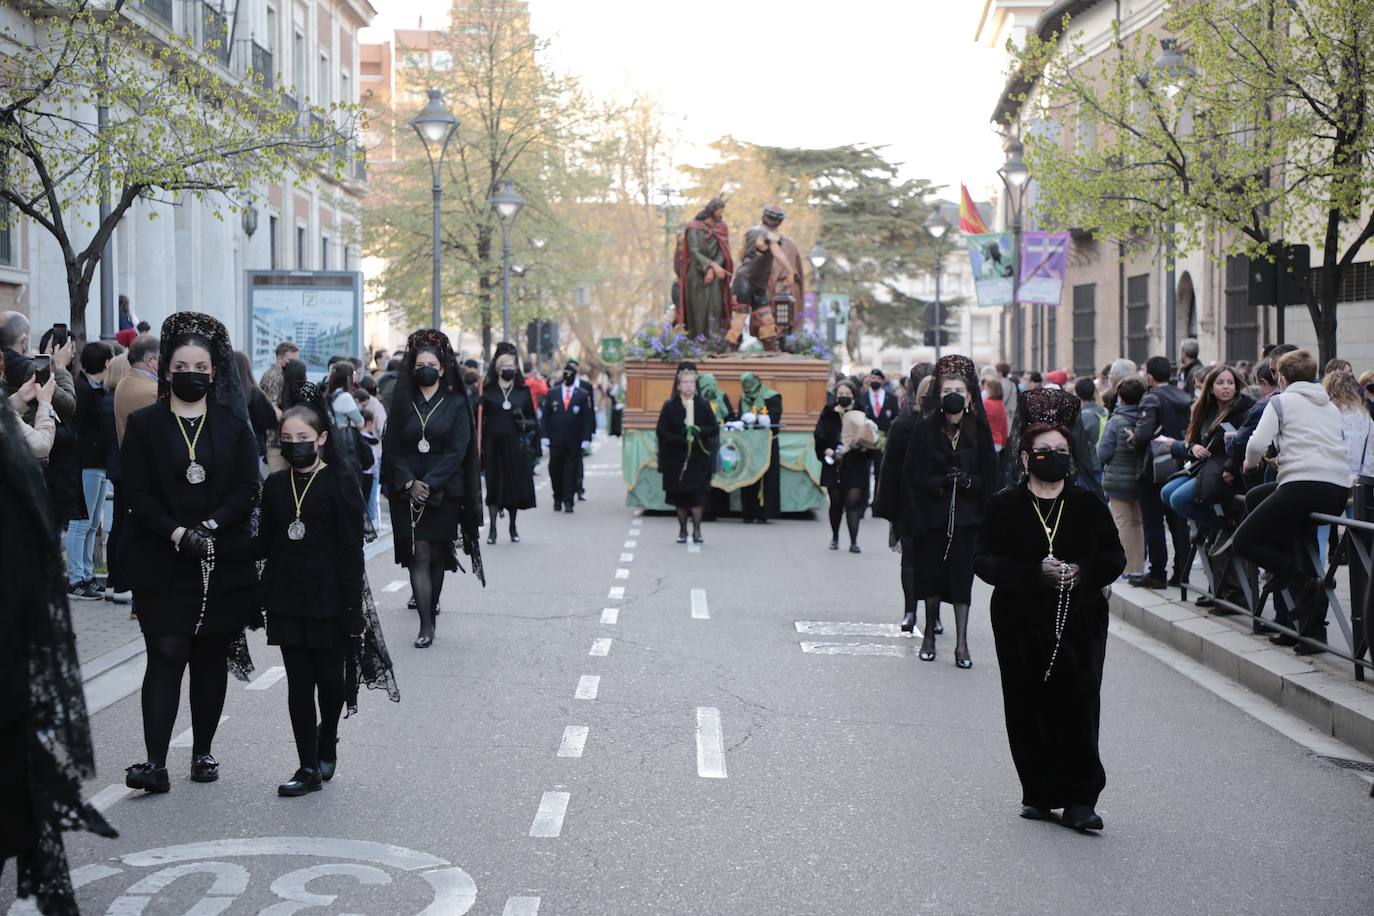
(1313, 688)
(101, 627)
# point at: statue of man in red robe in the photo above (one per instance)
(704, 268)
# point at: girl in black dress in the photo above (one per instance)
(893, 497)
(431, 472)
(1049, 548)
(688, 434)
(508, 421)
(190, 466)
(844, 470)
(950, 470)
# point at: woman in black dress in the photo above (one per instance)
(893, 497)
(190, 466)
(688, 434)
(1049, 548)
(844, 470)
(262, 416)
(431, 473)
(950, 470)
(508, 422)
(45, 737)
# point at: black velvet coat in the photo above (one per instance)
(691, 483)
(1052, 725)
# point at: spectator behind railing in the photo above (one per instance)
(1163, 412)
(1313, 477)
(1121, 457)
(1219, 406)
(1367, 386)
(1356, 430)
(1267, 376)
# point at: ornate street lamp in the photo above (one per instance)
(936, 227)
(436, 127)
(1015, 176)
(507, 204)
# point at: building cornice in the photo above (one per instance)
(1009, 103)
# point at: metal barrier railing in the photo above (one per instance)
(1355, 549)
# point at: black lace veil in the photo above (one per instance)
(470, 522)
(42, 680)
(370, 661)
(1043, 409)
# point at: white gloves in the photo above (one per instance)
(544, 442)
(735, 425)
(763, 421)
(749, 418)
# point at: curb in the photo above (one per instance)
(1337, 705)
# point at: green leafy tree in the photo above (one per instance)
(1261, 130)
(179, 125)
(852, 199)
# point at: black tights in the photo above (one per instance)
(427, 568)
(695, 512)
(309, 671)
(493, 511)
(168, 657)
(848, 504)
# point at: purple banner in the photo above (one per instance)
(1044, 256)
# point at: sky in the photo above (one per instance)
(905, 74)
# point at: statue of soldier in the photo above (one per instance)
(703, 266)
(769, 272)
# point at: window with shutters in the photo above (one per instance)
(1051, 337)
(1084, 328)
(1138, 318)
(1242, 319)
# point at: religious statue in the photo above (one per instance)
(768, 285)
(704, 265)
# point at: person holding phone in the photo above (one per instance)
(38, 436)
(1194, 492)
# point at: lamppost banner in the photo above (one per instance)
(1043, 259)
(993, 260)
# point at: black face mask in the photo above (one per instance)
(300, 455)
(190, 386)
(953, 403)
(426, 376)
(875, 385)
(507, 375)
(844, 400)
(569, 378)
(1051, 467)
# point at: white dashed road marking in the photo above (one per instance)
(521, 906)
(631, 545)
(622, 573)
(548, 820)
(694, 548)
(185, 738)
(710, 744)
(107, 796)
(574, 740)
(627, 558)
(851, 648)
(610, 615)
(395, 585)
(268, 678)
(601, 647)
(587, 687)
(616, 593)
(699, 609)
(832, 628)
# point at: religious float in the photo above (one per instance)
(744, 455)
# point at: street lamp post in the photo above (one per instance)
(670, 198)
(937, 227)
(1015, 175)
(507, 205)
(818, 256)
(539, 242)
(436, 127)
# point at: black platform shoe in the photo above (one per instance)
(204, 768)
(1082, 817)
(909, 622)
(330, 764)
(305, 781)
(1036, 813)
(147, 777)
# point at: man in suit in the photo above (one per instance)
(882, 408)
(586, 386)
(568, 425)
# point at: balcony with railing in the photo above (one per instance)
(214, 32)
(160, 10)
(261, 63)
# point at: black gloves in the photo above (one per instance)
(195, 543)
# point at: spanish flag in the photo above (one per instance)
(969, 220)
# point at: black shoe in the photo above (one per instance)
(305, 781)
(147, 777)
(1150, 582)
(1036, 813)
(327, 767)
(682, 537)
(1177, 579)
(411, 605)
(1204, 601)
(1303, 648)
(581, 497)
(854, 548)
(939, 629)
(204, 768)
(927, 653)
(834, 543)
(514, 535)
(1283, 639)
(747, 520)
(963, 661)
(568, 508)
(909, 622)
(491, 536)
(1081, 817)
(697, 538)
(558, 507)
(424, 642)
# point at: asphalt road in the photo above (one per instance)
(567, 749)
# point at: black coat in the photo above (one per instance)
(62, 473)
(90, 442)
(700, 464)
(850, 472)
(449, 430)
(929, 463)
(570, 427)
(885, 417)
(891, 499)
(153, 459)
(507, 449)
(1052, 726)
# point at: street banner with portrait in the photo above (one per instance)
(993, 260)
(1044, 256)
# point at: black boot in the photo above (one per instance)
(305, 781)
(909, 622)
(147, 777)
(329, 757)
(204, 768)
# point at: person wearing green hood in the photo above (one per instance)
(718, 400)
(761, 408)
